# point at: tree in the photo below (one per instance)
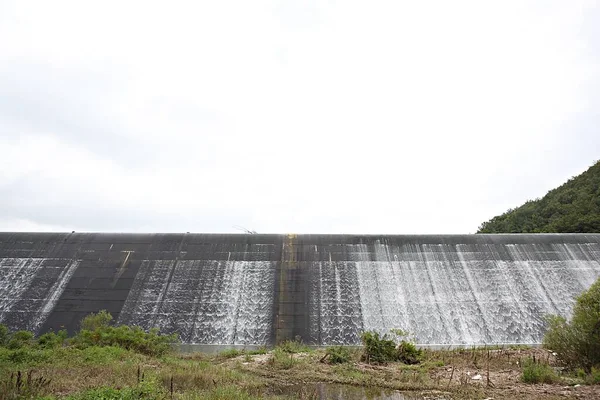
(573, 207)
(577, 342)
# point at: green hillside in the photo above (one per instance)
(572, 207)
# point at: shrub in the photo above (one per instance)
(97, 321)
(52, 340)
(378, 349)
(408, 353)
(382, 349)
(24, 355)
(20, 339)
(536, 372)
(97, 331)
(594, 377)
(578, 342)
(131, 338)
(337, 355)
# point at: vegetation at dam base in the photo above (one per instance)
(109, 362)
(573, 207)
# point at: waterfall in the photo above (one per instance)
(208, 302)
(30, 288)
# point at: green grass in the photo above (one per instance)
(281, 359)
(231, 353)
(293, 346)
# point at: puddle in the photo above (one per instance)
(329, 391)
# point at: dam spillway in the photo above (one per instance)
(326, 289)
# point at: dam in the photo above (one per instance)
(257, 289)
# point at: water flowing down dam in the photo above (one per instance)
(326, 289)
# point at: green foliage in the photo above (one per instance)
(4, 336)
(378, 349)
(282, 359)
(24, 355)
(131, 338)
(20, 339)
(382, 349)
(577, 342)
(52, 340)
(144, 390)
(408, 353)
(230, 353)
(573, 207)
(97, 321)
(260, 350)
(22, 347)
(294, 346)
(537, 372)
(338, 354)
(103, 355)
(593, 378)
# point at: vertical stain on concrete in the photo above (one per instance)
(291, 304)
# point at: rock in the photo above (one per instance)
(476, 377)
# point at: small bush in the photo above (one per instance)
(20, 339)
(536, 372)
(338, 355)
(97, 321)
(52, 340)
(131, 338)
(378, 349)
(408, 353)
(25, 355)
(593, 378)
(382, 349)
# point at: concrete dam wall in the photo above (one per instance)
(326, 289)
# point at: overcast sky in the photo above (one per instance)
(291, 116)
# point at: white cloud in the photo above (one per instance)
(378, 117)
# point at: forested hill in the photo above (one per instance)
(572, 207)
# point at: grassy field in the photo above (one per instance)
(290, 371)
